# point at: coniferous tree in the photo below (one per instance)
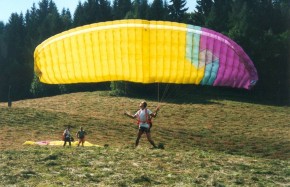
(239, 22)
(283, 6)
(264, 41)
(91, 13)
(17, 71)
(79, 16)
(49, 19)
(121, 8)
(115, 9)
(135, 12)
(157, 10)
(144, 9)
(203, 9)
(3, 51)
(49, 23)
(32, 23)
(177, 10)
(66, 19)
(15, 37)
(279, 17)
(218, 16)
(32, 38)
(190, 18)
(105, 11)
(166, 11)
(274, 49)
(3, 55)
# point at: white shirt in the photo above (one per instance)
(66, 133)
(141, 115)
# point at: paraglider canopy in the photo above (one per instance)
(145, 52)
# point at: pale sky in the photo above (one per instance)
(7, 7)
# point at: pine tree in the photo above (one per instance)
(144, 9)
(17, 71)
(218, 16)
(91, 13)
(3, 55)
(135, 12)
(3, 51)
(239, 21)
(121, 8)
(79, 16)
(156, 11)
(66, 19)
(203, 9)
(15, 38)
(48, 19)
(47, 22)
(105, 11)
(177, 10)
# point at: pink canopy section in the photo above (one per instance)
(226, 62)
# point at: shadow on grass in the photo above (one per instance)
(196, 94)
(260, 146)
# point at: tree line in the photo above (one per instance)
(261, 27)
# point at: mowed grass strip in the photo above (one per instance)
(125, 166)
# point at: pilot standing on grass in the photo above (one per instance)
(67, 136)
(81, 136)
(144, 116)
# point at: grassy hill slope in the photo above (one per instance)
(212, 143)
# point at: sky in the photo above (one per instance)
(7, 7)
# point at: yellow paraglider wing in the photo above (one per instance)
(143, 51)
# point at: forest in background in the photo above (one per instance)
(260, 27)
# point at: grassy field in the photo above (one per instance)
(208, 142)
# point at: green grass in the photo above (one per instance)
(209, 143)
(125, 166)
